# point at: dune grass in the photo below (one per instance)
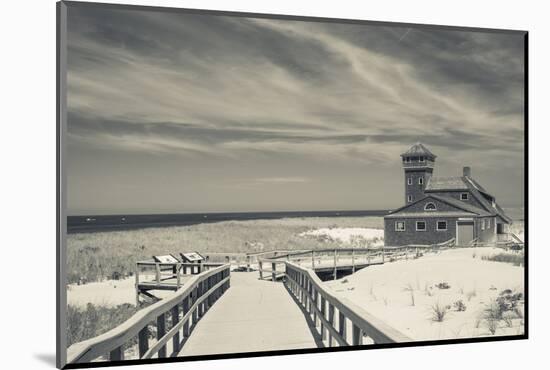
(93, 320)
(516, 259)
(106, 255)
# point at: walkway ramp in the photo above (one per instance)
(253, 315)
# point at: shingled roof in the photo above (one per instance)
(446, 183)
(418, 149)
(436, 184)
(462, 209)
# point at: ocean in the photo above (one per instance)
(81, 224)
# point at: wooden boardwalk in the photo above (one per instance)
(253, 315)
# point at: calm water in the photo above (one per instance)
(78, 224)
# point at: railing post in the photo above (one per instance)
(357, 336)
(175, 319)
(185, 309)
(342, 326)
(335, 269)
(331, 321)
(315, 305)
(261, 269)
(116, 354)
(324, 316)
(143, 341)
(368, 256)
(157, 265)
(352, 261)
(178, 268)
(312, 260)
(273, 271)
(161, 330)
(137, 285)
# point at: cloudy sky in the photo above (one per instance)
(202, 113)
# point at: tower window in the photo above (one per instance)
(463, 196)
(420, 225)
(430, 207)
(400, 226)
(420, 180)
(441, 225)
(422, 159)
(409, 181)
(409, 198)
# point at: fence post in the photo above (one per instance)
(247, 263)
(324, 316)
(335, 269)
(157, 273)
(161, 330)
(273, 271)
(137, 285)
(185, 309)
(357, 336)
(175, 320)
(331, 322)
(178, 268)
(383, 254)
(143, 341)
(342, 326)
(116, 354)
(260, 265)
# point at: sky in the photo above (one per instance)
(178, 112)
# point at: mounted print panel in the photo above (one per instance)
(246, 184)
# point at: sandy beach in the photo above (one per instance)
(386, 291)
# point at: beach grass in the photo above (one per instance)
(110, 255)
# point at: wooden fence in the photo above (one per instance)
(336, 259)
(184, 309)
(335, 317)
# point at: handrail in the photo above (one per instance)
(199, 293)
(314, 297)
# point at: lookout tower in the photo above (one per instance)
(418, 164)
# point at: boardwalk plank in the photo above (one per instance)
(253, 315)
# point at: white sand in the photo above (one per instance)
(381, 291)
(346, 235)
(107, 293)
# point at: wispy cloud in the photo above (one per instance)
(241, 89)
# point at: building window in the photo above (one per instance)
(421, 159)
(409, 181)
(430, 207)
(400, 226)
(420, 180)
(488, 223)
(483, 224)
(409, 198)
(464, 196)
(441, 225)
(420, 225)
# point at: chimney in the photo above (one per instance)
(467, 171)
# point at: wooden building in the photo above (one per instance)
(438, 209)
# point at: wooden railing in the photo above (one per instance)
(349, 257)
(170, 270)
(338, 321)
(184, 308)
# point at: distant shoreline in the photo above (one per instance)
(103, 223)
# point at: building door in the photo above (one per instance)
(464, 232)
